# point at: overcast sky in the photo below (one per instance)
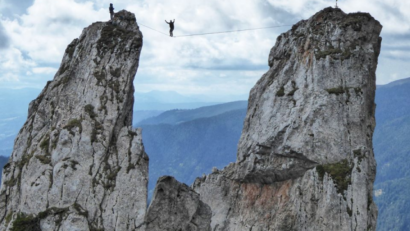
(34, 35)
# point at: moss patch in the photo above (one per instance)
(336, 53)
(26, 222)
(45, 143)
(345, 55)
(20, 164)
(281, 92)
(108, 37)
(113, 174)
(132, 133)
(80, 210)
(355, 20)
(323, 54)
(74, 164)
(59, 212)
(340, 172)
(12, 182)
(89, 109)
(73, 124)
(359, 155)
(55, 140)
(103, 101)
(358, 90)
(8, 218)
(349, 211)
(111, 177)
(369, 200)
(93, 228)
(44, 159)
(336, 91)
(24, 160)
(111, 36)
(115, 72)
(71, 48)
(100, 76)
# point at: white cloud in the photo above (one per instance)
(12, 60)
(49, 26)
(205, 64)
(44, 70)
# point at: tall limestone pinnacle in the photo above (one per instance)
(305, 158)
(77, 164)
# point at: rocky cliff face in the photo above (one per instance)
(175, 206)
(305, 159)
(77, 163)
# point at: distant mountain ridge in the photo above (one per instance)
(178, 116)
(391, 146)
(395, 83)
(14, 104)
(392, 149)
(206, 138)
(171, 97)
(170, 100)
(390, 142)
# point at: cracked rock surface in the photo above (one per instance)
(305, 158)
(77, 164)
(175, 206)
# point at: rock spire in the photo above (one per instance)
(305, 158)
(77, 163)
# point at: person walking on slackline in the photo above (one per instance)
(171, 27)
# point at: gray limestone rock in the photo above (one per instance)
(175, 206)
(305, 158)
(77, 164)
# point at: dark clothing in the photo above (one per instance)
(171, 27)
(111, 11)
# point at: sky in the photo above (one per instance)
(35, 33)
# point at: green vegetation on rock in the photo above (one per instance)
(281, 92)
(336, 53)
(45, 143)
(336, 91)
(72, 124)
(90, 111)
(26, 222)
(31, 222)
(340, 172)
(45, 159)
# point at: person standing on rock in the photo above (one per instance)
(111, 11)
(171, 27)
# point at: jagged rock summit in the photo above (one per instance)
(77, 164)
(305, 158)
(176, 207)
